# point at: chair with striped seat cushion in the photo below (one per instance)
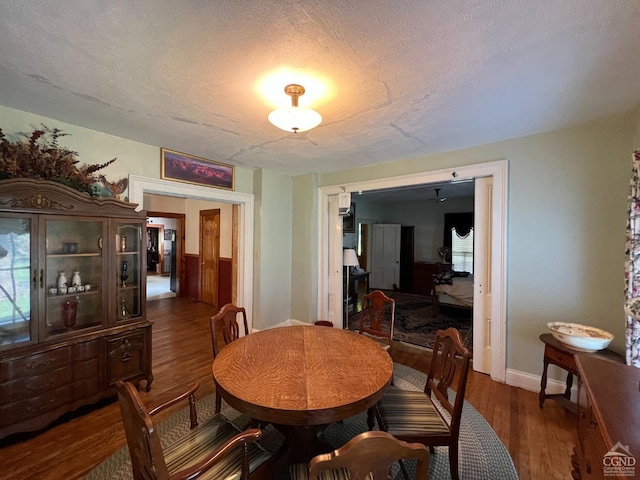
(414, 416)
(368, 456)
(215, 449)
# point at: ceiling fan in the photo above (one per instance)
(438, 198)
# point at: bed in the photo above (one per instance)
(452, 289)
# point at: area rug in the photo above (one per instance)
(415, 323)
(482, 455)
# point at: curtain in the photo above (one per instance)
(463, 223)
(632, 267)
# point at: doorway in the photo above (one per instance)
(494, 316)
(155, 248)
(243, 228)
(166, 234)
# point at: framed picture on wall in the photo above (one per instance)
(191, 169)
(349, 221)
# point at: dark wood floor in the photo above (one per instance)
(540, 441)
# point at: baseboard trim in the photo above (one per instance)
(528, 381)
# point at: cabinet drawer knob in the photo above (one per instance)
(126, 356)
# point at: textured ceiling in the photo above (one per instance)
(392, 79)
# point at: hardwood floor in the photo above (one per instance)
(540, 440)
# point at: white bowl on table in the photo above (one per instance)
(580, 337)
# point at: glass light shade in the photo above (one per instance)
(349, 258)
(295, 119)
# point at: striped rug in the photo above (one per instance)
(482, 454)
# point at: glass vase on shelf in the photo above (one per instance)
(69, 313)
(123, 274)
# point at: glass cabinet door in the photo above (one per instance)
(73, 275)
(18, 280)
(129, 273)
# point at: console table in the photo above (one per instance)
(556, 353)
(352, 291)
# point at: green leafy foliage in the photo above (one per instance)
(40, 156)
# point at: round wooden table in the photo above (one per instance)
(301, 379)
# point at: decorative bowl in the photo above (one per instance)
(580, 337)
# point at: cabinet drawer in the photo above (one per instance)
(86, 350)
(86, 387)
(29, 387)
(34, 364)
(126, 356)
(560, 358)
(89, 368)
(32, 407)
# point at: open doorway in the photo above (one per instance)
(489, 323)
(165, 244)
(239, 264)
(410, 257)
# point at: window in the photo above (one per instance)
(462, 251)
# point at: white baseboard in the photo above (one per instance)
(531, 382)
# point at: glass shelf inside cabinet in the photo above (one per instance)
(15, 280)
(73, 275)
(128, 245)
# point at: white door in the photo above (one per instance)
(482, 275)
(335, 311)
(385, 264)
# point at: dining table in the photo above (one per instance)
(300, 379)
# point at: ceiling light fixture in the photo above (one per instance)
(295, 119)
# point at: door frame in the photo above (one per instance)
(499, 171)
(243, 261)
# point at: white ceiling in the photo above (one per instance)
(400, 78)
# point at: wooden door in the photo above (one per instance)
(209, 255)
(385, 268)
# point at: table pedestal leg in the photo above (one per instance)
(303, 443)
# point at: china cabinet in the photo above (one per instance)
(72, 301)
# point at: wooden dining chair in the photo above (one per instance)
(225, 328)
(210, 450)
(414, 417)
(367, 456)
(377, 317)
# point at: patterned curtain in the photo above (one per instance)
(632, 271)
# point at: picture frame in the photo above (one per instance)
(186, 168)
(349, 221)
